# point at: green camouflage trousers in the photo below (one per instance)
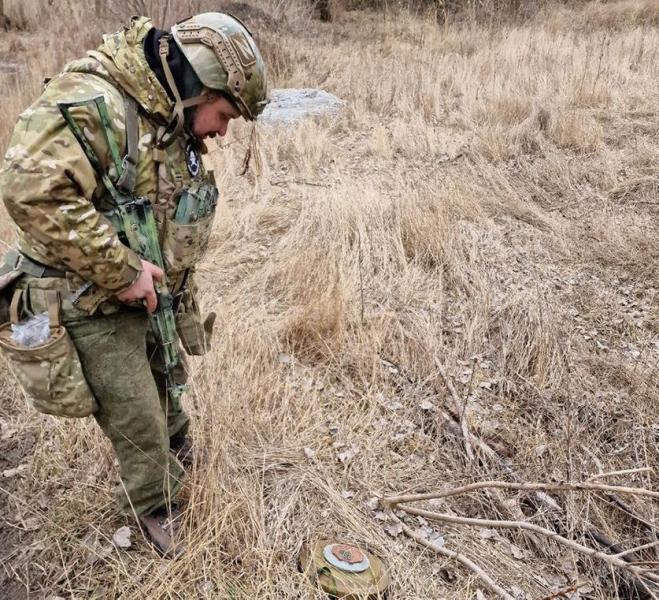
(125, 373)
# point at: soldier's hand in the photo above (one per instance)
(143, 289)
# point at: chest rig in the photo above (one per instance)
(134, 220)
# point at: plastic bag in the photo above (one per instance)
(31, 332)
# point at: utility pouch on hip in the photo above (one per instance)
(50, 373)
(194, 331)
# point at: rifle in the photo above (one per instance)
(135, 223)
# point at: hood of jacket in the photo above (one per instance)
(120, 59)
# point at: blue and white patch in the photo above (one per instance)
(193, 160)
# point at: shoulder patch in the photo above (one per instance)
(192, 159)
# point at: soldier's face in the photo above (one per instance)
(212, 118)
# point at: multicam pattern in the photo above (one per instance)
(49, 187)
(228, 59)
(57, 201)
(51, 375)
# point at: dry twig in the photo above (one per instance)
(460, 410)
(463, 560)
(623, 472)
(555, 487)
(619, 560)
(611, 559)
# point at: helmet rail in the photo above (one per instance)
(230, 52)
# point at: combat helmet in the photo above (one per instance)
(222, 53)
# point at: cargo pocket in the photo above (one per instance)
(194, 332)
(50, 373)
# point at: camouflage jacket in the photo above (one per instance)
(54, 195)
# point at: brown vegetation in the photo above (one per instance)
(486, 207)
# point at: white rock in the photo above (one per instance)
(121, 537)
(290, 105)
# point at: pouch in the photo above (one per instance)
(194, 332)
(50, 374)
(187, 234)
(185, 245)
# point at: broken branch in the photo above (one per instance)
(611, 559)
(459, 409)
(555, 487)
(623, 472)
(463, 560)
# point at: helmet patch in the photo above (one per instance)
(192, 159)
(243, 49)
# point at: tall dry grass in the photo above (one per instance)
(488, 200)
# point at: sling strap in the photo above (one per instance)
(128, 179)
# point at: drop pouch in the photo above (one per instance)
(50, 374)
(194, 331)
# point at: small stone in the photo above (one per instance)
(540, 450)
(487, 534)
(394, 530)
(373, 502)
(121, 537)
(19, 470)
(207, 587)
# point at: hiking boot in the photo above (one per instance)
(181, 446)
(162, 528)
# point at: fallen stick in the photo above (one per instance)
(623, 472)
(460, 410)
(543, 498)
(637, 549)
(610, 559)
(554, 487)
(491, 584)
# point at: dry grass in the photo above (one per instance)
(488, 200)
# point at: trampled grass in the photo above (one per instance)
(486, 202)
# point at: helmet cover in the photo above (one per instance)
(224, 56)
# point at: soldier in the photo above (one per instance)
(165, 91)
